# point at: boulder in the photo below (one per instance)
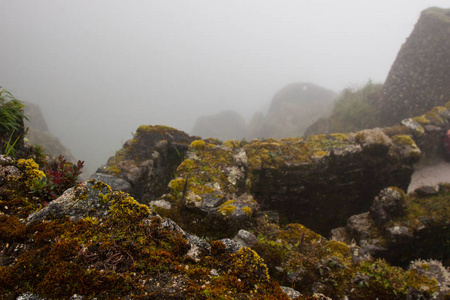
(148, 161)
(419, 78)
(401, 228)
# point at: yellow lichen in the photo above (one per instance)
(113, 169)
(227, 208)
(247, 210)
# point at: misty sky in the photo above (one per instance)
(99, 69)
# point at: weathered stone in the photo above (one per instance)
(116, 184)
(419, 77)
(290, 292)
(426, 191)
(399, 234)
(391, 202)
(149, 160)
(78, 203)
(245, 238)
(231, 246)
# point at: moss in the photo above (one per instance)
(232, 144)
(11, 229)
(198, 145)
(248, 266)
(154, 128)
(422, 120)
(447, 105)
(407, 143)
(434, 117)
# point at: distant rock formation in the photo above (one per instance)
(225, 125)
(292, 110)
(420, 76)
(38, 133)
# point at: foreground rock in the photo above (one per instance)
(93, 242)
(401, 228)
(318, 182)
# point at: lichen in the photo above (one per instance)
(247, 210)
(422, 120)
(227, 208)
(408, 145)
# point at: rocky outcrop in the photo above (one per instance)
(319, 181)
(292, 110)
(401, 228)
(226, 125)
(419, 78)
(148, 161)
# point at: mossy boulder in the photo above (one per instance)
(319, 181)
(401, 228)
(149, 160)
(310, 263)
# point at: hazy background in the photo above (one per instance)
(99, 69)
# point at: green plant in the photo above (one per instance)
(60, 175)
(353, 111)
(9, 149)
(11, 121)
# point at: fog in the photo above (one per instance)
(99, 69)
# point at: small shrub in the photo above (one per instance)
(60, 175)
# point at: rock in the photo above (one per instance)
(160, 204)
(391, 202)
(245, 238)
(292, 110)
(78, 202)
(29, 296)
(433, 269)
(116, 184)
(231, 246)
(149, 160)
(426, 191)
(399, 234)
(290, 292)
(418, 79)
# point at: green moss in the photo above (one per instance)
(408, 144)
(434, 117)
(422, 120)
(198, 145)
